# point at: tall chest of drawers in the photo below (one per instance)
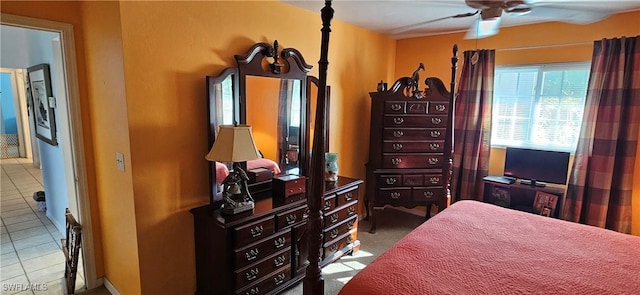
(410, 147)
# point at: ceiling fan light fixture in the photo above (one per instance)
(491, 13)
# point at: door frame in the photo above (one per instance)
(76, 143)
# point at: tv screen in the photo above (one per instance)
(537, 165)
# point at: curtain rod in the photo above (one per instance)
(545, 46)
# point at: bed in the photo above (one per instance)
(479, 248)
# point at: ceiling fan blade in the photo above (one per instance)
(420, 24)
(483, 28)
(562, 14)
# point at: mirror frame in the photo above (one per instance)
(287, 64)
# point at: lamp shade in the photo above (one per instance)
(233, 144)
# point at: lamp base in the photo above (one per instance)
(238, 207)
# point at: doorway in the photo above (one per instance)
(68, 156)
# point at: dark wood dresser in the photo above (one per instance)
(340, 214)
(266, 252)
(410, 147)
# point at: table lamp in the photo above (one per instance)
(235, 144)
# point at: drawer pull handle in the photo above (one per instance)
(428, 194)
(252, 274)
(398, 121)
(396, 107)
(396, 161)
(333, 217)
(435, 134)
(433, 161)
(395, 195)
(252, 254)
(350, 224)
(348, 197)
(327, 205)
(291, 219)
(333, 248)
(253, 291)
(436, 121)
(349, 240)
(390, 180)
(397, 146)
(279, 242)
(257, 231)
(398, 133)
(279, 279)
(279, 261)
(351, 210)
(434, 180)
(434, 146)
(440, 107)
(334, 233)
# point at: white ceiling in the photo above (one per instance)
(389, 17)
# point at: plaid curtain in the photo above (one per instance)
(472, 125)
(600, 186)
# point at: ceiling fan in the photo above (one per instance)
(489, 14)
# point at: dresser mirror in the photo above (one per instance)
(270, 91)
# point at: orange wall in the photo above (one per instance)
(522, 45)
(110, 134)
(69, 12)
(168, 49)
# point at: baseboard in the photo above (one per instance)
(112, 289)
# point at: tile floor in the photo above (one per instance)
(32, 261)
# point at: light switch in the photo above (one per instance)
(120, 161)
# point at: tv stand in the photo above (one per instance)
(533, 182)
(521, 197)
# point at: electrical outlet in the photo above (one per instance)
(120, 161)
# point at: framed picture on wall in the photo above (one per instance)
(42, 100)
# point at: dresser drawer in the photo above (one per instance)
(412, 146)
(347, 196)
(261, 249)
(415, 121)
(413, 180)
(291, 217)
(390, 180)
(414, 134)
(334, 246)
(438, 107)
(329, 203)
(337, 230)
(254, 231)
(422, 194)
(255, 272)
(433, 179)
(340, 214)
(267, 284)
(393, 195)
(412, 161)
(394, 107)
(416, 107)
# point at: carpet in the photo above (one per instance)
(392, 225)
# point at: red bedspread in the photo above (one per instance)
(478, 248)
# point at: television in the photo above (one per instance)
(536, 167)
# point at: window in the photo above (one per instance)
(539, 106)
